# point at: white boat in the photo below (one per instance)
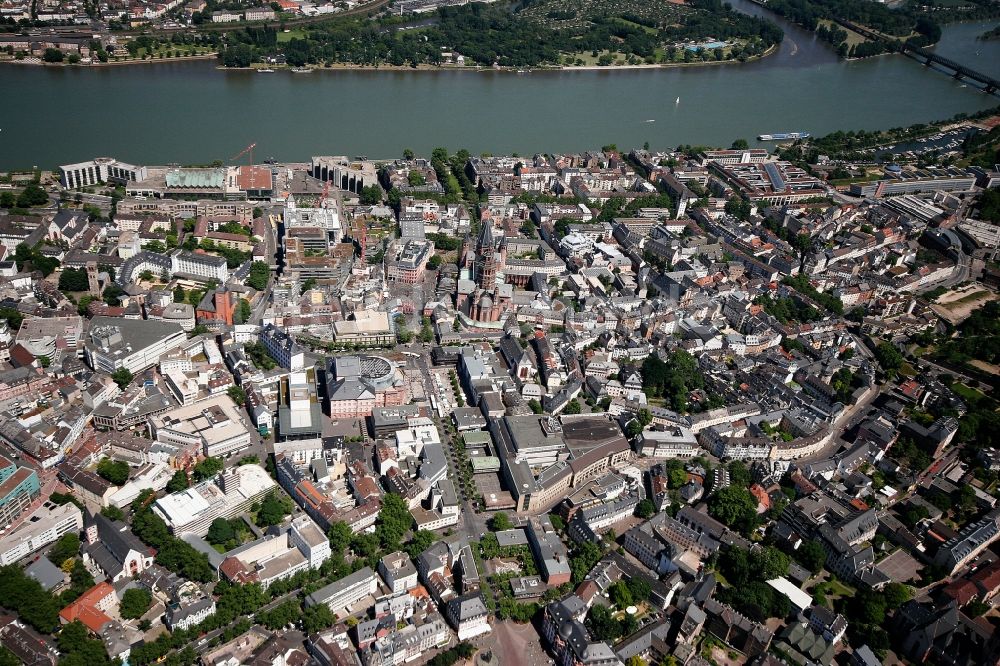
(651, 120)
(677, 101)
(302, 70)
(265, 71)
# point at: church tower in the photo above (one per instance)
(93, 282)
(486, 253)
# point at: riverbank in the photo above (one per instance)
(111, 63)
(350, 67)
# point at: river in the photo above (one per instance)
(192, 112)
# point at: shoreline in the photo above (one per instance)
(347, 67)
(118, 63)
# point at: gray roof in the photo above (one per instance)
(47, 574)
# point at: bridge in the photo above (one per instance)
(989, 84)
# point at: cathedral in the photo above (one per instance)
(482, 294)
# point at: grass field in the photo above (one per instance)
(967, 392)
(290, 35)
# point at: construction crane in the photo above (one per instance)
(248, 149)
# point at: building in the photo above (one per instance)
(299, 411)
(19, 487)
(549, 551)
(368, 328)
(99, 171)
(114, 550)
(468, 615)
(356, 385)
(189, 614)
(406, 261)
(398, 572)
(282, 347)
(277, 556)
(563, 628)
(973, 539)
(480, 295)
(45, 525)
(346, 592)
(134, 344)
(229, 494)
(198, 266)
(92, 607)
(214, 426)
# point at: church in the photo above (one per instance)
(482, 294)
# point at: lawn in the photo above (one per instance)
(290, 35)
(968, 393)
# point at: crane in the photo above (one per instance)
(248, 149)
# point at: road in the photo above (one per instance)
(849, 418)
(471, 524)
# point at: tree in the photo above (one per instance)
(245, 311)
(273, 509)
(111, 512)
(407, 154)
(66, 547)
(573, 407)
(114, 471)
(535, 406)
(178, 482)
(122, 377)
(316, 618)
(888, 357)
(72, 279)
(896, 594)
(811, 555)
(208, 468)
(500, 522)
(421, 541)
(620, 595)
(340, 537)
(740, 144)
(645, 509)
(238, 395)
(636, 660)
(53, 55)
(371, 195)
(602, 623)
(220, 532)
(735, 507)
(394, 520)
(135, 603)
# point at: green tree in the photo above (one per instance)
(66, 547)
(888, 357)
(122, 377)
(620, 595)
(340, 537)
(573, 407)
(72, 279)
(207, 468)
(220, 532)
(111, 512)
(645, 509)
(273, 509)
(393, 522)
(535, 406)
(500, 522)
(316, 618)
(135, 603)
(238, 395)
(114, 471)
(735, 507)
(178, 482)
(811, 555)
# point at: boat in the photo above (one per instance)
(782, 136)
(678, 100)
(651, 120)
(265, 71)
(302, 70)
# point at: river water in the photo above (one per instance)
(192, 112)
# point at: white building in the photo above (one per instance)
(44, 526)
(346, 592)
(197, 265)
(133, 344)
(282, 348)
(99, 170)
(213, 425)
(228, 495)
